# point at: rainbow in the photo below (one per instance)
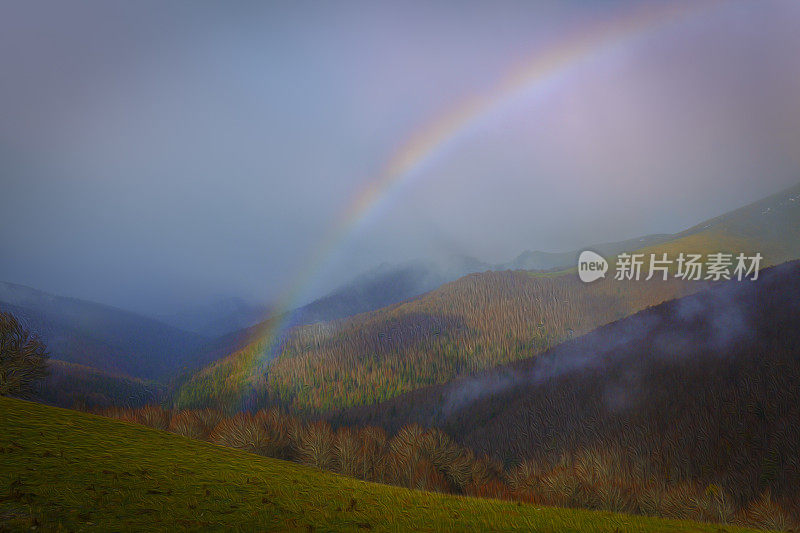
(448, 128)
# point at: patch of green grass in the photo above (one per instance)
(62, 469)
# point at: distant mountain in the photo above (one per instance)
(476, 322)
(537, 260)
(471, 324)
(77, 386)
(217, 318)
(770, 226)
(386, 285)
(381, 286)
(101, 337)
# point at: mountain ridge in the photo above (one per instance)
(101, 336)
(469, 324)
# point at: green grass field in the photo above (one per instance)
(66, 470)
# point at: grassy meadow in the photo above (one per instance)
(65, 470)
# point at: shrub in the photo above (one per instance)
(245, 432)
(315, 446)
(559, 487)
(425, 476)
(277, 427)
(405, 451)
(714, 505)
(649, 501)
(347, 451)
(120, 413)
(599, 477)
(372, 453)
(153, 416)
(765, 513)
(679, 501)
(187, 423)
(208, 419)
(493, 488)
(23, 358)
(524, 480)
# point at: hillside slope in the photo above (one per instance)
(68, 470)
(382, 286)
(469, 325)
(77, 386)
(770, 226)
(102, 337)
(701, 389)
(463, 327)
(538, 260)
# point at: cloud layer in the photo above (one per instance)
(156, 154)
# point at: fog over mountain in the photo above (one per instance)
(156, 156)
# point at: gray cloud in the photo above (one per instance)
(713, 321)
(154, 154)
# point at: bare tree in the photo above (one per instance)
(23, 358)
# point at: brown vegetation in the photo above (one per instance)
(688, 408)
(462, 328)
(428, 459)
(23, 358)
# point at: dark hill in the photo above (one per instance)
(102, 337)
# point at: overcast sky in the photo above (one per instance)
(154, 154)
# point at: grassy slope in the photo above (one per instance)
(65, 469)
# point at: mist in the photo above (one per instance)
(713, 322)
(154, 155)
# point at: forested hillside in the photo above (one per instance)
(701, 390)
(468, 325)
(463, 327)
